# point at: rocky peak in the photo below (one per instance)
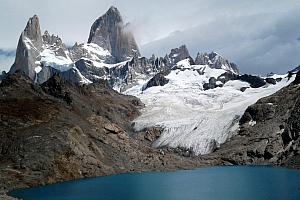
(29, 46)
(52, 39)
(179, 54)
(55, 44)
(110, 32)
(113, 11)
(32, 30)
(216, 61)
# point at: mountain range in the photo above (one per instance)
(100, 108)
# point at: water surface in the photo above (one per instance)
(216, 183)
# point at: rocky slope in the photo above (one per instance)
(269, 131)
(58, 131)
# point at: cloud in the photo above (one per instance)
(7, 58)
(259, 35)
(257, 42)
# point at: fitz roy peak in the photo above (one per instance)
(110, 32)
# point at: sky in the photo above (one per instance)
(260, 36)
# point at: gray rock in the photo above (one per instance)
(296, 69)
(45, 74)
(297, 79)
(29, 47)
(211, 84)
(158, 80)
(55, 43)
(254, 81)
(110, 32)
(215, 61)
(273, 138)
(271, 81)
(227, 76)
(178, 54)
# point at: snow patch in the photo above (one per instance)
(38, 69)
(252, 123)
(83, 80)
(48, 58)
(96, 52)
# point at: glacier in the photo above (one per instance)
(194, 118)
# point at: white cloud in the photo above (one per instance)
(6, 63)
(244, 31)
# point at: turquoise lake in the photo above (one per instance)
(216, 183)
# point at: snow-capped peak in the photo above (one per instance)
(215, 60)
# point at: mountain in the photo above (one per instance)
(100, 108)
(40, 56)
(29, 47)
(216, 61)
(110, 32)
(209, 84)
(178, 54)
(110, 53)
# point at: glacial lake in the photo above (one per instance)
(216, 183)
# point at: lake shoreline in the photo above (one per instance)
(209, 175)
(4, 194)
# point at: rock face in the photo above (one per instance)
(157, 80)
(29, 47)
(178, 54)
(110, 32)
(254, 81)
(269, 132)
(214, 60)
(295, 70)
(59, 131)
(40, 56)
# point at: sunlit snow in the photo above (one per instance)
(48, 58)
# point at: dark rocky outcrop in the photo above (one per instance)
(297, 79)
(211, 84)
(227, 76)
(271, 80)
(110, 32)
(254, 81)
(295, 70)
(157, 80)
(269, 132)
(223, 78)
